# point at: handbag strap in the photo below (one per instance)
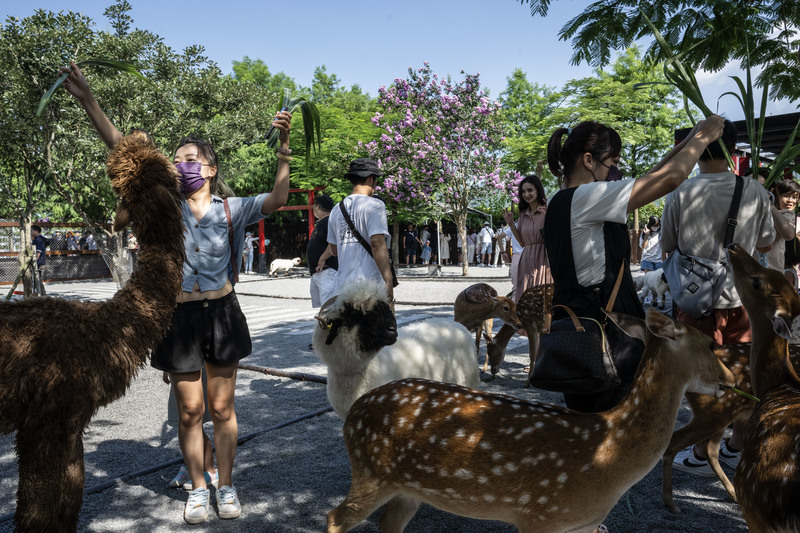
(733, 212)
(549, 317)
(357, 235)
(234, 262)
(615, 291)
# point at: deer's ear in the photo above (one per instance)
(662, 326)
(631, 326)
(783, 325)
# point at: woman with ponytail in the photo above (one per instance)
(586, 235)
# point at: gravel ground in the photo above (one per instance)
(289, 477)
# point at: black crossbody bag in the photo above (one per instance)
(364, 243)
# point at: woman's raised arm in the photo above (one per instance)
(77, 86)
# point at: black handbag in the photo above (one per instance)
(363, 243)
(574, 355)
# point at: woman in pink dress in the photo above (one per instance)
(533, 268)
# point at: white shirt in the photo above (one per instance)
(652, 251)
(485, 236)
(516, 248)
(592, 205)
(696, 215)
(369, 217)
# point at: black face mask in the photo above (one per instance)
(614, 174)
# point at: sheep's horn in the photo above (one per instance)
(324, 316)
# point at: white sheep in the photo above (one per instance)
(654, 284)
(357, 338)
(283, 264)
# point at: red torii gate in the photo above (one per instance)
(311, 193)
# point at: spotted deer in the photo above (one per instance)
(767, 480)
(476, 308)
(531, 309)
(710, 417)
(540, 467)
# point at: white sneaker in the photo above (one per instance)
(728, 456)
(196, 510)
(228, 502)
(687, 461)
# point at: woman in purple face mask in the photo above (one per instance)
(209, 332)
(586, 235)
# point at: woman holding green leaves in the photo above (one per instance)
(208, 330)
(587, 239)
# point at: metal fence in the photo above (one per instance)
(68, 258)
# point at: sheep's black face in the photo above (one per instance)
(374, 329)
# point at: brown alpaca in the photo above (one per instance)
(62, 360)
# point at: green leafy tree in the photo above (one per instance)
(530, 113)
(257, 72)
(324, 85)
(761, 33)
(30, 51)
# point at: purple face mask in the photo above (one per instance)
(191, 178)
(614, 174)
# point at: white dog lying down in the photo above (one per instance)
(283, 264)
(655, 284)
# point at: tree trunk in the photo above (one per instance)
(396, 241)
(461, 223)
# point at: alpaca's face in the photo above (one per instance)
(369, 329)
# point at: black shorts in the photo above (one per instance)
(211, 331)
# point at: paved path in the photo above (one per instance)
(290, 473)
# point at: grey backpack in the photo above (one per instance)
(696, 283)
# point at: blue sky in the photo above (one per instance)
(370, 43)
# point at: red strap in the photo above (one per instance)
(234, 263)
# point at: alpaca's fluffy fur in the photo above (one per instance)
(438, 349)
(62, 360)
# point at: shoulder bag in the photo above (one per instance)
(574, 355)
(364, 243)
(234, 261)
(696, 283)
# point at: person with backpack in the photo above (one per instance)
(694, 223)
(359, 223)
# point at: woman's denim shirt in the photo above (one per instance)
(208, 252)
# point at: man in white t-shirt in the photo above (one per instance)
(500, 246)
(694, 222)
(369, 218)
(485, 238)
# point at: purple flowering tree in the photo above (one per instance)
(440, 148)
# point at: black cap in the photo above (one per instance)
(363, 168)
